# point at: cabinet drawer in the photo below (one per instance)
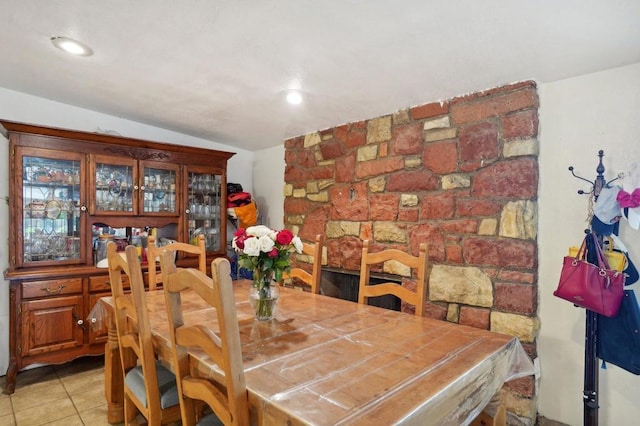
(62, 286)
(101, 283)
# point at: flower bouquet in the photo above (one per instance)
(267, 253)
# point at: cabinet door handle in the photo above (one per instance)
(79, 320)
(83, 208)
(56, 291)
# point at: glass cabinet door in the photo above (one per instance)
(52, 202)
(158, 189)
(204, 208)
(113, 186)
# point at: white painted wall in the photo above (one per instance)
(268, 184)
(15, 106)
(578, 117)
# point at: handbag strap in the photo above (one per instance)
(602, 260)
(582, 251)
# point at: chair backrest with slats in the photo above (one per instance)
(314, 250)
(415, 263)
(154, 253)
(133, 329)
(230, 404)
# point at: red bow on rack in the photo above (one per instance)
(629, 200)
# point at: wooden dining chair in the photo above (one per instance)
(227, 398)
(314, 251)
(417, 263)
(149, 387)
(154, 253)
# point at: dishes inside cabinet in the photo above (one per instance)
(37, 209)
(52, 209)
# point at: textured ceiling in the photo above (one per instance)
(219, 69)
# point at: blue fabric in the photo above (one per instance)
(134, 380)
(210, 420)
(619, 336)
(238, 273)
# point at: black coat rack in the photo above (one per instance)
(590, 390)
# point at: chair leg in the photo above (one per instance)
(130, 411)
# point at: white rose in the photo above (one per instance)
(251, 247)
(259, 230)
(266, 243)
(297, 243)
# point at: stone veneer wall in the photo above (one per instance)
(461, 175)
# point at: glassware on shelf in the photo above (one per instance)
(50, 194)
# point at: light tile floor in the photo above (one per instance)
(69, 394)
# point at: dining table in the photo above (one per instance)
(328, 361)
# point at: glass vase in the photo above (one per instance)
(263, 296)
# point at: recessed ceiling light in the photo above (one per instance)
(71, 46)
(294, 97)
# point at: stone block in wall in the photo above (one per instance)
(378, 167)
(412, 162)
(429, 110)
(407, 139)
(519, 219)
(418, 180)
(442, 122)
(517, 178)
(488, 227)
(456, 181)
(475, 317)
(516, 297)
(332, 149)
(441, 157)
(520, 125)
(466, 285)
(377, 184)
(312, 139)
(478, 142)
(524, 408)
(389, 232)
(383, 206)
(440, 134)
(379, 129)
(366, 153)
(321, 197)
(518, 148)
(408, 200)
(401, 116)
(453, 312)
(349, 202)
(523, 327)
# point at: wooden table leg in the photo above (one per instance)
(113, 380)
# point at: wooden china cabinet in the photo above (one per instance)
(68, 190)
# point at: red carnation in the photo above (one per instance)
(273, 252)
(241, 232)
(284, 237)
(240, 241)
